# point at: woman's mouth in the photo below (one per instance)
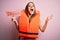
(31, 9)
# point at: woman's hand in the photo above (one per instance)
(13, 19)
(45, 24)
(49, 17)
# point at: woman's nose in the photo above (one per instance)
(31, 6)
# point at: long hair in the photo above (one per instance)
(26, 8)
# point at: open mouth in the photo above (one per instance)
(31, 9)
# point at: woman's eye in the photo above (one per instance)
(29, 6)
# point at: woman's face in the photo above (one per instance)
(31, 8)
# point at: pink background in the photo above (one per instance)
(8, 30)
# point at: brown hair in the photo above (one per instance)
(26, 8)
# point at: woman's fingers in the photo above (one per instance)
(13, 19)
(50, 17)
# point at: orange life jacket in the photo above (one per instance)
(26, 29)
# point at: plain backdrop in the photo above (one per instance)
(8, 29)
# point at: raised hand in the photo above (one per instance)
(49, 17)
(13, 19)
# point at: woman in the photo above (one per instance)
(29, 23)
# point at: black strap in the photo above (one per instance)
(28, 33)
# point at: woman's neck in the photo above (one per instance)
(29, 16)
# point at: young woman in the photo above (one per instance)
(29, 23)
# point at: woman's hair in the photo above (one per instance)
(26, 8)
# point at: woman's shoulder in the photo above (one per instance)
(22, 12)
(38, 12)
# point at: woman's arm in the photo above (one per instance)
(42, 28)
(13, 14)
(15, 21)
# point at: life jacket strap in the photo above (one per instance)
(30, 33)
